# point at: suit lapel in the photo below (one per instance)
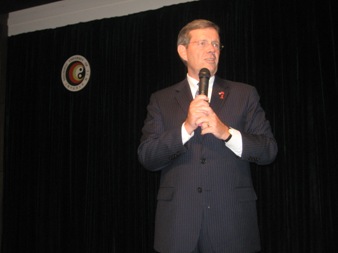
(183, 95)
(220, 93)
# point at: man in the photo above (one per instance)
(203, 147)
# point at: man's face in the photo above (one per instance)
(201, 51)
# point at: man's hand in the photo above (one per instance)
(198, 109)
(200, 114)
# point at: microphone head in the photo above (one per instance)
(204, 76)
(204, 73)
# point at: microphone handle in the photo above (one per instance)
(203, 86)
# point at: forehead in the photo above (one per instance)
(205, 33)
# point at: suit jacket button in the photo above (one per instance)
(199, 189)
(203, 160)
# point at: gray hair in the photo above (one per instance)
(183, 37)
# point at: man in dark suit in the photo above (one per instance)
(203, 146)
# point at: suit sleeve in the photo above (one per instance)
(159, 145)
(259, 144)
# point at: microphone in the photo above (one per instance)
(204, 76)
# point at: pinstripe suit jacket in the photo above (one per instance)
(203, 178)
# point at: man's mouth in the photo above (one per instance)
(210, 60)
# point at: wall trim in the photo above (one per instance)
(69, 12)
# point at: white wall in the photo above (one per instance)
(68, 12)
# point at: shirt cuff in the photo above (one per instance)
(185, 135)
(235, 143)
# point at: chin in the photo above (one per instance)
(212, 69)
(213, 72)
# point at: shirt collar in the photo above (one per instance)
(193, 84)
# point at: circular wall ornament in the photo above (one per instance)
(75, 73)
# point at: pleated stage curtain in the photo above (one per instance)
(72, 180)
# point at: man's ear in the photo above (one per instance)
(182, 51)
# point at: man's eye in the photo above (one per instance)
(202, 43)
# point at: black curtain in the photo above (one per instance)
(72, 180)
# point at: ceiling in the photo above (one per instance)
(7, 6)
